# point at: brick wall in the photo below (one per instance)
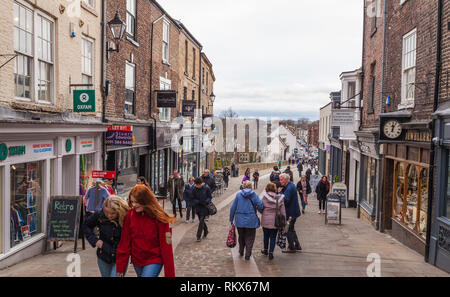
(422, 16)
(372, 57)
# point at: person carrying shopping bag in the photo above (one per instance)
(146, 236)
(244, 213)
(109, 222)
(273, 206)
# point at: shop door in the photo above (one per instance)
(69, 178)
(142, 167)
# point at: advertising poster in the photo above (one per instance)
(31, 171)
(31, 197)
(31, 221)
(25, 232)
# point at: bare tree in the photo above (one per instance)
(229, 113)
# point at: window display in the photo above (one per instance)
(26, 201)
(126, 171)
(411, 197)
(86, 167)
(370, 166)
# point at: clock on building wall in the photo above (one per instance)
(392, 129)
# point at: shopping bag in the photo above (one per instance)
(231, 239)
(281, 239)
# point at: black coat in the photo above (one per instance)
(200, 199)
(109, 233)
(210, 182)
(291, 174)
(322, 191)
(308, 174)
(226, 175)
(187, 194)
(300, 167)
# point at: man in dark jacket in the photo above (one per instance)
(308, 175)
(187, 196)
(292, 212)
(175, 186)
(209, 181)
(201, 196)
(300, 168)
(291, 174)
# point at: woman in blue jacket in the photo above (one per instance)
(243, 212)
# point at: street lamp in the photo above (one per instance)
(117, 27)
(213, 97)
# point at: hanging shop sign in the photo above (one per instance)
(166, 99)
(119, 135)
(188, 108)
(342, 118)
(103, 174)
(84, 101)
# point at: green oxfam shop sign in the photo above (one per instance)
(11, 151)
(84, 101)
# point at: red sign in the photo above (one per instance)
(104, 174)
(119, 128)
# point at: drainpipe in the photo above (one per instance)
(103, 80)
(379, 212)
(200, 107)
(433, 147)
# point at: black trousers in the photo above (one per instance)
(246, 240)
(175, 200)
(201, 227)
(292, 236)
(322, 204)
(255, 184)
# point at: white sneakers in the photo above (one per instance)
(319, 212)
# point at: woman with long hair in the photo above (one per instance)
(142, 181)
(146, 236)
(109, 222)
(322, 190)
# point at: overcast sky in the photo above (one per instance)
(275, 58)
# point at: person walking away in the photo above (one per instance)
(275, 176)
(175, 185)
(244, 213)
(292, 211)
(255, 179)
(304, 189)
(187, 196)
(146, 236)
(201, 196)
(226, 176)
(210, 182)
(109, 222)
(300, 168)
(95, 197)
(233, 169)
(291, 174)
(308, 175)
(273, 204)
(279, 164)
(322, 190)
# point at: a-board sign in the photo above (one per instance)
(64, 218)
(341, 190)
(333, 209)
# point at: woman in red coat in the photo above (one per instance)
(146, 236)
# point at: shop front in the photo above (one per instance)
(369, 163)
(128, 155)
(335, 160)
(33, 167)
(353, 188)
(439, 246)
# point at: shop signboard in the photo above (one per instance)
(64, 217)
(166, 99)
(119, 135)
(341, 190)
(84, 101)
(333, 209)
(103, 174)
(341, 118)
(87, 145)
(20, 149)
(188, 109)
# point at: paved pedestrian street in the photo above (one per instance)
(328, 250)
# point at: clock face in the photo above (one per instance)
(392, 129)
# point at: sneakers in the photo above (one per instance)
(319, 212)
(270, 256)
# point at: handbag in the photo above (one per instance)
(280, 220)
(212, 210)
(231, 239)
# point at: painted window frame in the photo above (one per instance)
(84, 74)
(127, 103)
(166, 42)
(408, 71)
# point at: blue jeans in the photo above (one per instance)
(106, 270)
(152, 270)
(303, 202)
(270, 234)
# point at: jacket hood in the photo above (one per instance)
(247, 193)
(273, 197)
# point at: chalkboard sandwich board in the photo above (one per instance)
(64, 217)
(333, 209)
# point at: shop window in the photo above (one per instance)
(370, 167)
(411, 197)
(399, 191)
(127, 171)
(86, 167)
(26, 201)
(1, 210)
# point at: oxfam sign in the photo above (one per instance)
(6, 151)
(84, 101)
